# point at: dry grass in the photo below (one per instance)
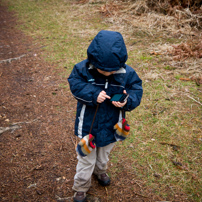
(183, 25)
(163, 152)
(179, 21)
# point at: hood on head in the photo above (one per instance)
(107, 51)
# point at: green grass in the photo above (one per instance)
(145, 58)
(166, 115)
(175, 125)
(65, 36)
(168, 67)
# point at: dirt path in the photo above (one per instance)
(37, 158)
(37, 144)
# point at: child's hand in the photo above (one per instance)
(120, 104)
(102, 96)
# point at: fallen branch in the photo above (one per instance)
(11, 59)
(25, 122)
(13, 127)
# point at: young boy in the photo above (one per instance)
(92, 82)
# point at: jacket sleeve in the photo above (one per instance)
(135, 91)
(81, 89)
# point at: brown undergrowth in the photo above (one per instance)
(161, 159)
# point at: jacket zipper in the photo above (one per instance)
(106, 84)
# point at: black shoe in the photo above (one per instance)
(104, 179)
(80, 197)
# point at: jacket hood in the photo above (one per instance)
(107, 51)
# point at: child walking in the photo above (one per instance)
(93, 82)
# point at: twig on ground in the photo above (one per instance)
(32, 185)
(75, 144)
(150, 165)
(138, 184)
(13, 127)
(165, 143)
(141, 195)
(62, 199)
(26, 122)
(106, 192)
(11, 59)
(194, 99)
(175, 147)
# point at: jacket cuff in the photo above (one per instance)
(95, 95)
(127, 106)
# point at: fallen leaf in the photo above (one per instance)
(185, 79)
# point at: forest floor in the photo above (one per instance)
(37, 142)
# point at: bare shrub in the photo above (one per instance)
(190, 12)
(188, 49)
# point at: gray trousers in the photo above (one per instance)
(95, 162)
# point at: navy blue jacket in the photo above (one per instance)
(108, 53)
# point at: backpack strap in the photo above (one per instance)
(93, 119)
